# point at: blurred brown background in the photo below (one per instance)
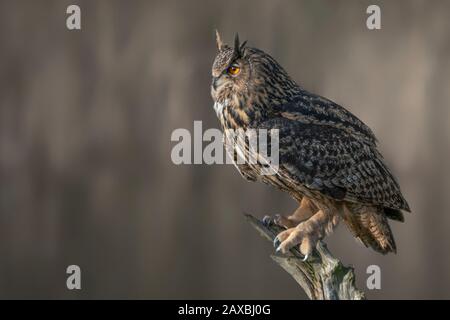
(85, 122)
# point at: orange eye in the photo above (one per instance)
(234, 70)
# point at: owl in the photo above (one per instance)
(328, 159)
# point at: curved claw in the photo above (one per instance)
(276, 218)
(276, 242)
(305, 258)
(267, 221)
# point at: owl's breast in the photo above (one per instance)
(233, 116)
(219, 106)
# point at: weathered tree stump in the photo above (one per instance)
(322, 276)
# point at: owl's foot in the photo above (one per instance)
(281, 221)
(307, 233)
(303, 212)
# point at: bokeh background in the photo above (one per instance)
(86, 117)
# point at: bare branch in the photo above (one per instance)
(322, 276)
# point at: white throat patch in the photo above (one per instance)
(218, 107)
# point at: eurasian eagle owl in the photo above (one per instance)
(328, 158)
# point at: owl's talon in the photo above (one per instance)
(279, 220)
(304, 236)
(276, 242)
(267, 221)
(285, 222)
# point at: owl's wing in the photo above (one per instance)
(335, 163)
(311, 108)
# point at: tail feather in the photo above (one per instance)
(394, 214)
(370, 225)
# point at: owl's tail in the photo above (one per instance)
(370, 225)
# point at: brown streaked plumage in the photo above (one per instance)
(328, 158)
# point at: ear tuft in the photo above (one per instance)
(238, 47)
(236, 40)
(243, 45)
(219, 42)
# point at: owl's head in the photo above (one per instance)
(240, 71)
(231, 70)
